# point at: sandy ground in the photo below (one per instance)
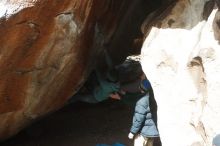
(80, 124)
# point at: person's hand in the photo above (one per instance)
(130, 135)
(115, 96)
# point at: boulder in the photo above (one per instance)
(181, 58)
(48, 47)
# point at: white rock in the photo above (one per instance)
(173, 59)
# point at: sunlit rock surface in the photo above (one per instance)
(47, 48)
(181, 57)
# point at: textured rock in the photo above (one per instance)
(47, 47)
(181, 57)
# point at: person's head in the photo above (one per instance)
(129, 70)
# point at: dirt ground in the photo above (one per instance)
(80, 124)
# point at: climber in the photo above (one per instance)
(139, 92)
(104, 83)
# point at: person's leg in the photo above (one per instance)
(89, 98)
(149, 142)
(139, 140)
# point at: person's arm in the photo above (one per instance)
(115, 96)
(141, 110)
(131, 87)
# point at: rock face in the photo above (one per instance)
(181, 58)
(47, 48)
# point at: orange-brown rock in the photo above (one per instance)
(47, 47)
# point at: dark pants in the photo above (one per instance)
(89, 98)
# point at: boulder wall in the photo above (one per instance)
(48, 47)
(181, 58)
